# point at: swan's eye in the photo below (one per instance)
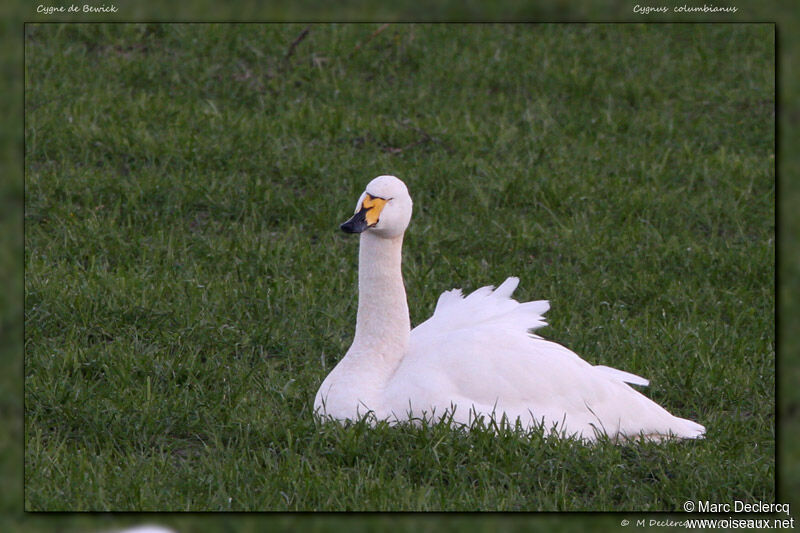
(373, 206)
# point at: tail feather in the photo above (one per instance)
(687, 429)
(621, 375)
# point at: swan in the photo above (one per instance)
(475, 357)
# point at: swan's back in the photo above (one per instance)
(476, 355)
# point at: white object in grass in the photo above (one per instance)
(475, 357)
(147, 529)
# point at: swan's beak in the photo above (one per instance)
(357, 224)
(367, 216)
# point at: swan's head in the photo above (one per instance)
(383, 209)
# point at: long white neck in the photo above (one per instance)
(358, 381)
(382, 325)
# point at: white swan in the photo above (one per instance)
(473, 357)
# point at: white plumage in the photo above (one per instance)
(147, 529)
(474, 357)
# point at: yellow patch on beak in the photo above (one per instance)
(374, 206)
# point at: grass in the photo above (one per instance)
(187, 289)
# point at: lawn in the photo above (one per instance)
(187, 288)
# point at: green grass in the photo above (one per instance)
(187, 288)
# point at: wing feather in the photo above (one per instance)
(485, 305)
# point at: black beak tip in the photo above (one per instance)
(357, 224)
(347, 227)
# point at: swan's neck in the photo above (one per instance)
(382, 325)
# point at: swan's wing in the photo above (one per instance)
(477, 351)
(487, 304)
(488, 312)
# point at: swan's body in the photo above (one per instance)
(473, 357)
